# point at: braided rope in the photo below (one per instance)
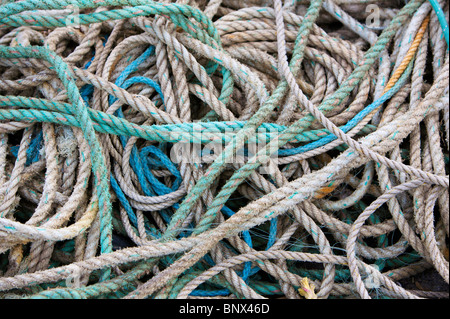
(223, 149)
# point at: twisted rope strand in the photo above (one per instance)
(223, 149)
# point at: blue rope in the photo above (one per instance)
(354, 121)
(154, 233)
(151, 157)
(33, 151)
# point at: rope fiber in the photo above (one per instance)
(223, 149)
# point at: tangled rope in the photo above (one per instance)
(223, 149)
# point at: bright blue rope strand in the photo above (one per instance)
(442, 19)
(354, 121)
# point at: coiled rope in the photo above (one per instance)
(223, 149)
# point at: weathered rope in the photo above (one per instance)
(202, 149)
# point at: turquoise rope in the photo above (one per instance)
(33, 150)
(356, 119)
(442, 19)
(79, 110)
(136, 8)
(179, 15)
(57, 112)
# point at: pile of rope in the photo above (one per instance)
(223, 149)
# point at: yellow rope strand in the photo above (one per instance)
(324, 191)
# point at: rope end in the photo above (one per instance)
(306, 289)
